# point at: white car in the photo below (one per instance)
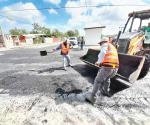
(73, 40)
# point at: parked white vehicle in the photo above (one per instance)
(73, 40)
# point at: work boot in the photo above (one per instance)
(105, 101)
(65, 69)
(69, 65)
(101, 101)
(106, 93)
(89, 98)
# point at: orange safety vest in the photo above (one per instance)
(111, 57)
(65, 49)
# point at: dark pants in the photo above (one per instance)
(81, 46)
(102, 80)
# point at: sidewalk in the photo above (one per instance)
(5, 49)
(40, 45)
(31, 46)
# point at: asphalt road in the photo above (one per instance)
(31, 88)
(23, 62)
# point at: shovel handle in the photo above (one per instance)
(49, 52)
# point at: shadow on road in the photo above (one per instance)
(50, 70)
(88, 72)
(61, 91)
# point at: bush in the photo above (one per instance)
(38, 40)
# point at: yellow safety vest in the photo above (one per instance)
(111, 57)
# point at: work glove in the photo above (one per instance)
(97, 64)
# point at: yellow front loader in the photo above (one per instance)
(134, 53)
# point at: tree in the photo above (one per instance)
(71, 33)
(57, 33)
(16, 31)
(37, 29)
(76, 32)
(46, 31)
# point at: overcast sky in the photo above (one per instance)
(63, 17)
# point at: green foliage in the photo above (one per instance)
(57, 33)
(71, 33)
(37, 29)
(76, 32)
(16, 31)
(38, 40)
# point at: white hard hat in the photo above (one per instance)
(65, 38)
(104, 39)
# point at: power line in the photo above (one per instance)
(76, 7)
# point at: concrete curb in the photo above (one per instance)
(30, 46)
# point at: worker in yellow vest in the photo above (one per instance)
(65, 48)
(108, 66)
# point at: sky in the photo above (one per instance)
(68, 14)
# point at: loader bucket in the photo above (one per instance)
(146, 66)
(129, 69)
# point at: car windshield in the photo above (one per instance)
(72, 39)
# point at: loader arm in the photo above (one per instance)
(136, 45)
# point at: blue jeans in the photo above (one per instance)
(66, 59)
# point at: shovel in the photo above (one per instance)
(44, 53)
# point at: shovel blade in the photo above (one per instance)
(43, 53)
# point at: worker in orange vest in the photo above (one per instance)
(109, 64)
(65, 48)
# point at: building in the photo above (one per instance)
(6, 41)
(29, 39)
(93, 35)
(1, 41)
(10, 41)
(16, 40)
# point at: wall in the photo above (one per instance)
(16, 40)
(56, 40)
(93, 36)
(8, 42)
(48, 40)
(1, 41)
(29, 40)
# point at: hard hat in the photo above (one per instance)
(104, 39)
(65, 38)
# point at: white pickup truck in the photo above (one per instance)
(73, 40)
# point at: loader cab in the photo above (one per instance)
(146, 30)
(130, 42)
(123, 43)
(136, 33)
